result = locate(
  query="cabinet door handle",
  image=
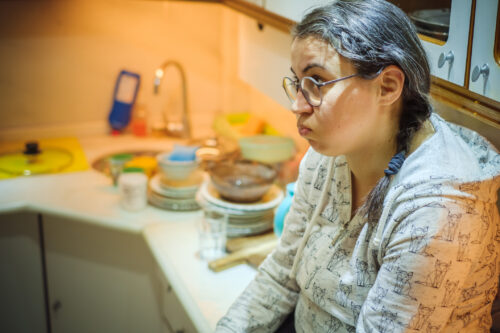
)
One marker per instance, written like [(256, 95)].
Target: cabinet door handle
[(477, 72), (446, 58), (56, 306)]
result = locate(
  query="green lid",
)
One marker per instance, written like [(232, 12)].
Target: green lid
[(132, 169), (121, 157)]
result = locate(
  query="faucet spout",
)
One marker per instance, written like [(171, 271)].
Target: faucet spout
[(184, 130)]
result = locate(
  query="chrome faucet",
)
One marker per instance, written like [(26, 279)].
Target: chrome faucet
[(182, 129)]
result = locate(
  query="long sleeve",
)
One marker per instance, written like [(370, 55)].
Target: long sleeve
[(272, 295), (433, 250)]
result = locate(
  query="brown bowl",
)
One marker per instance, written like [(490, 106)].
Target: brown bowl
[(242, 181)]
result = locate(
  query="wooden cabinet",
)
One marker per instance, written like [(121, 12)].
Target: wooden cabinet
[(59, 275), (485, 57), (99, 280), (22, 301), (173, 314), (448, 61)]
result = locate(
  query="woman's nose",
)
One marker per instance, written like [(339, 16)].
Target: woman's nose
[(301, 105)]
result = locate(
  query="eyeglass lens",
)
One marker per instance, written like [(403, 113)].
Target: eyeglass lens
[(309, 89)]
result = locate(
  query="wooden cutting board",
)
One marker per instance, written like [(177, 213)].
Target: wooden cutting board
[(252, 250)]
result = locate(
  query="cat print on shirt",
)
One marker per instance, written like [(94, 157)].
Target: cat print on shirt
[(320, 180), (330, 213), (485, 322), (470, 206), (435, 278), (450, 228), (356, 309), (362, 274), (376, 300), (470, 292), (418, 239), (489, 295), (333, 324), (313, 238), (319, 294), (485, 226), (337, 258), (403, 285), (463, 241), (485, 259), (387, 323), (394, 262), (450, 289), (490, 271), (311, 275), (466, 318), (343, 293), (432, 329), (403, 226), (421, 317)]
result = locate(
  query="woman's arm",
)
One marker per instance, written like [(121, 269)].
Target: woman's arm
[(272, 295), (441, 255)]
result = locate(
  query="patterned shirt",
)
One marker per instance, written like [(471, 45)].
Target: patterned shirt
[(430, 264)]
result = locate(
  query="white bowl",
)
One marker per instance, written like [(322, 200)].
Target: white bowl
[(176, 170)]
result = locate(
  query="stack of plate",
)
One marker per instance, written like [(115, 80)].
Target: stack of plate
[(244, 219), (173, 194)]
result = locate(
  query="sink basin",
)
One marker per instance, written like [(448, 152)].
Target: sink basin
[(102, 164)]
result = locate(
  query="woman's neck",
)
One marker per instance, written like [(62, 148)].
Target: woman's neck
[(368, 165)]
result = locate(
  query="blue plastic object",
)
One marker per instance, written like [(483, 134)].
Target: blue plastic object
[(183, 153), (124, 96), (283, 208)]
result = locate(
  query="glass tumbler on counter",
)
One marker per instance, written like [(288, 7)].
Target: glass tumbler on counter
[(212, 234)]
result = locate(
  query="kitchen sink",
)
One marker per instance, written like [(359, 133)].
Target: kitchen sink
[(102, 163)]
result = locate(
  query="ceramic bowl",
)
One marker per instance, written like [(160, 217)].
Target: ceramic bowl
[(242, 181), (175, 170), (268, 149)]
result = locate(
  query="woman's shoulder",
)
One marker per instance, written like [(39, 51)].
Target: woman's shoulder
[(453, 157)]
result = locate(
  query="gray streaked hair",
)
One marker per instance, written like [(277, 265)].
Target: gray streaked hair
[(373, 34)]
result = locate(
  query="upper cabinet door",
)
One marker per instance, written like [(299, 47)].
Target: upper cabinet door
[(292, 9), (485, 59), (447, 51)]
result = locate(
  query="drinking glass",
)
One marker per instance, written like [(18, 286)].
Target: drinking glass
[(212, 234)]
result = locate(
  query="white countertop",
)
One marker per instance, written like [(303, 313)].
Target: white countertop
[(89, 197)]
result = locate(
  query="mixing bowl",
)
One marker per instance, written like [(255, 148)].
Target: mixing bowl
[(242, 181)]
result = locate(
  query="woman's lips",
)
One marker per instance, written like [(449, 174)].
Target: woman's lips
[(303, 131)]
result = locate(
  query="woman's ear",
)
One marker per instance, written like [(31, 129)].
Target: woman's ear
[(391, 80)]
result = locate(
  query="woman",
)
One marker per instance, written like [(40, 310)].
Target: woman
[(393, 226)]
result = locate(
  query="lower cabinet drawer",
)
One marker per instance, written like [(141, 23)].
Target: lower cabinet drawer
[(172, 311)]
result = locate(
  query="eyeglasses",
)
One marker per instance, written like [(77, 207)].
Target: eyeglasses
[(311, 89)]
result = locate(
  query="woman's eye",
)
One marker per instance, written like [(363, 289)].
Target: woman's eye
[(317, 78)]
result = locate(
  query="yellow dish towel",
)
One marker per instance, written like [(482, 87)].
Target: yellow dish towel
[(70, 144)]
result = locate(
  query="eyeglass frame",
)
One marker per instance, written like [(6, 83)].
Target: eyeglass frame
[(298, 84)]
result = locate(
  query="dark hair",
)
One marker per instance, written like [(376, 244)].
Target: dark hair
[(373, 34)]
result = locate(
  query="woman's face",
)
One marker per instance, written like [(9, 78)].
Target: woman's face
[(348, 117)]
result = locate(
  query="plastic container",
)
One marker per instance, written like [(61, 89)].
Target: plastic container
[(283, 208), (133, 187), (268, 149), (139, 124)]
